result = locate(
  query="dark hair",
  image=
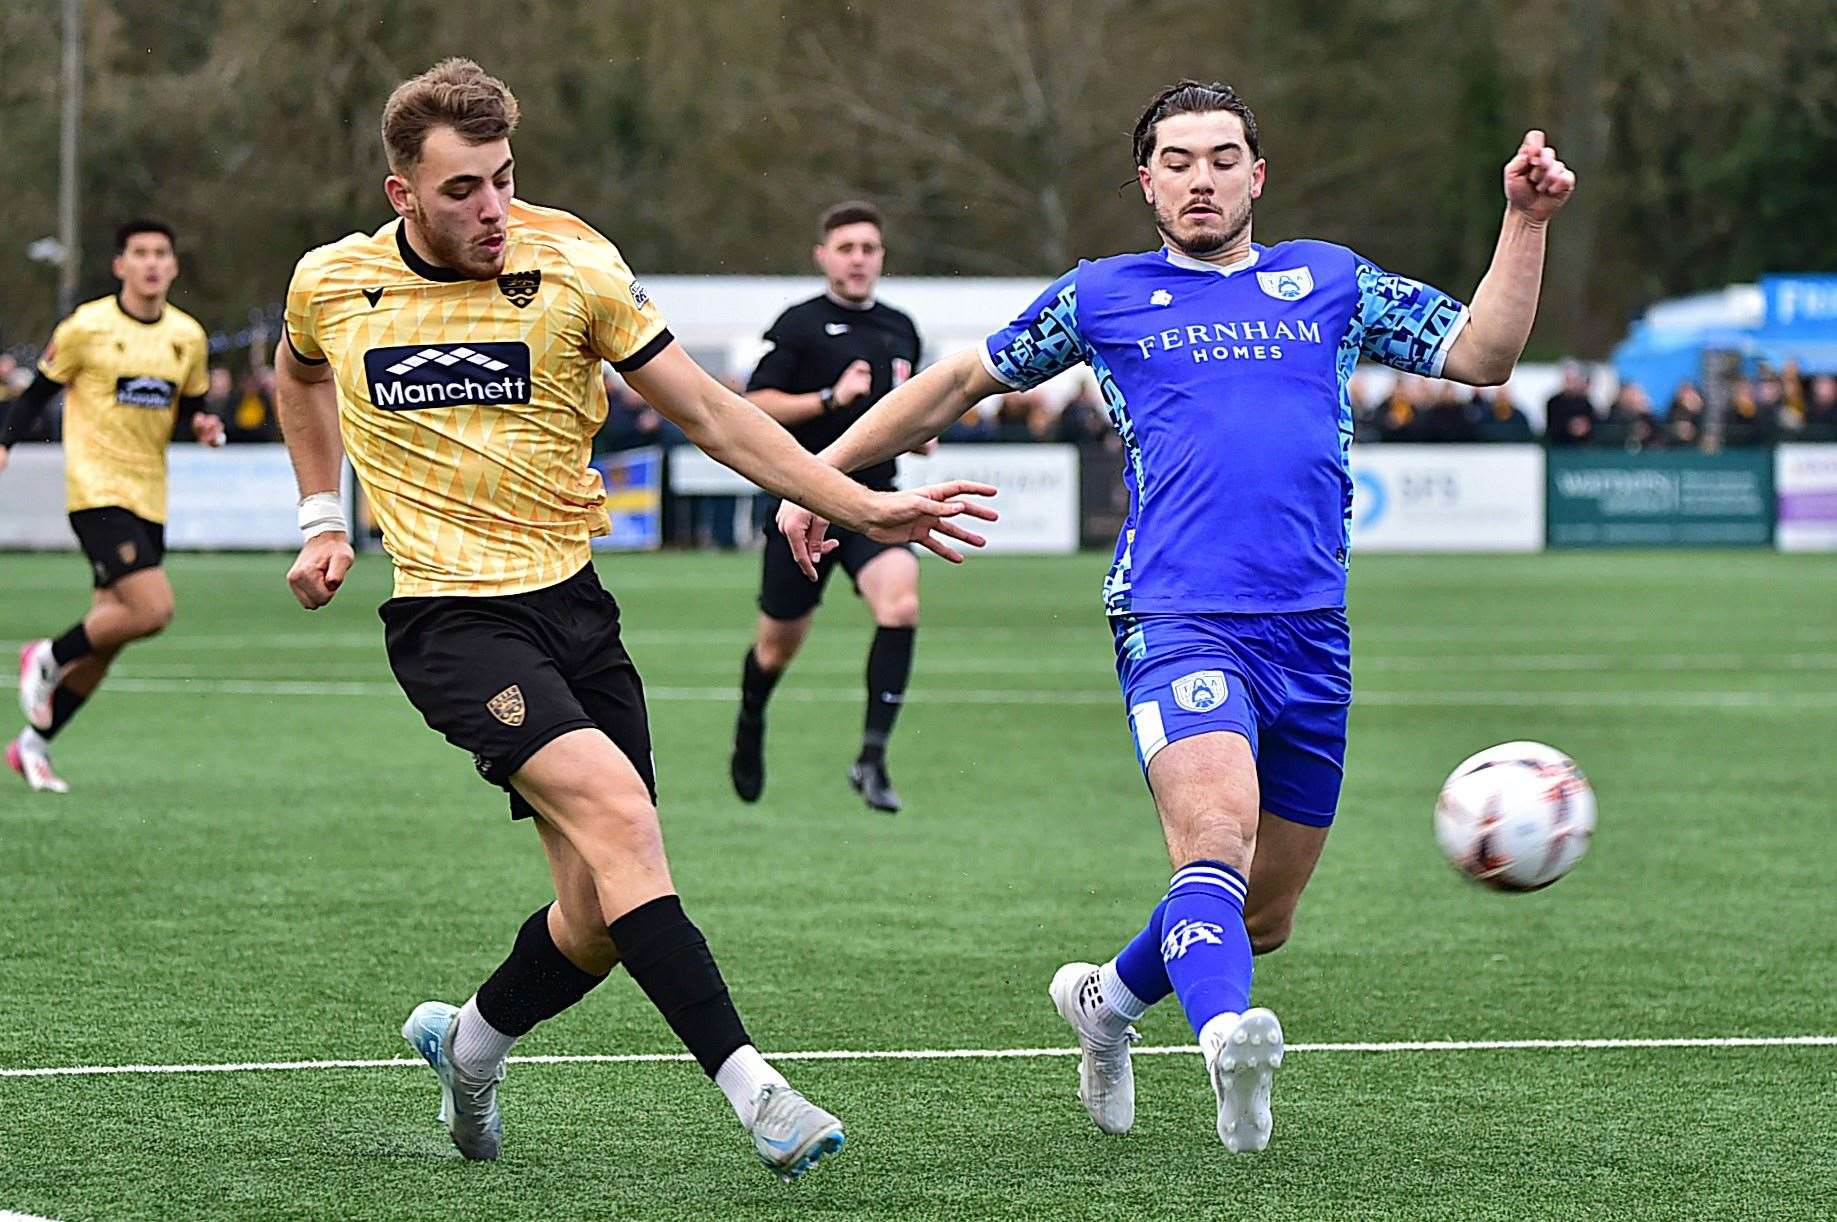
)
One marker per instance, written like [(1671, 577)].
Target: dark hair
[(139, 225), (1190, 97), (848, 212), (454, 93)]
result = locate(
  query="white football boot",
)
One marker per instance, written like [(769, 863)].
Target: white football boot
[(468, 1103), (790, 1133), (26, 756), (38, 676), (1106, 1079), (1243, 1052)]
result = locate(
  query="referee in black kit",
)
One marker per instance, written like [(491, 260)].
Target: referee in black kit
[(832, 358)]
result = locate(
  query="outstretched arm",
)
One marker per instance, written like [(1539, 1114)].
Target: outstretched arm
[(306, 402), (1505, 305), (739, 435), (914, 413), (18, 417)]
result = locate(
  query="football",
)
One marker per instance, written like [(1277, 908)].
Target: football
[(1515, 817)]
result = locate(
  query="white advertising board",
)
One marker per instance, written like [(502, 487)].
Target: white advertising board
[(1484, 498), (1805, 480)]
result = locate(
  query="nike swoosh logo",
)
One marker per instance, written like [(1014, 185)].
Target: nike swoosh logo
[(783, 1147), (835, 328), (373, 295)]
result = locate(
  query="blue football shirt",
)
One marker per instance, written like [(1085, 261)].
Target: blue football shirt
[(1230, 390)]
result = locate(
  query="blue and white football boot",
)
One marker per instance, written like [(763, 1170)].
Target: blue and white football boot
[(468, 1105), (790, 1133)]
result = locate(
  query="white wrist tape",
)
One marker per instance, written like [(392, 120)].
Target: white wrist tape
[(321, 513)]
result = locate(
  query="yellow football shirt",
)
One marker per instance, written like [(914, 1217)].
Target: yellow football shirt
[(468, 407), (123, 379)]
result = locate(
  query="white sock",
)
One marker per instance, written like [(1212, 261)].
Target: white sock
[(31, 740), (477, 1044), (1120, 1006), (1212, 1036), (742, 1076)]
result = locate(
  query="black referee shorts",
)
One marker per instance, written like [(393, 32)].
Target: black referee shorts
[(786, 594), (118, 542), (502, 677)]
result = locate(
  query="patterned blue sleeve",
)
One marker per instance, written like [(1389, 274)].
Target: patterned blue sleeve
[(1042, 342), (1406, 324)]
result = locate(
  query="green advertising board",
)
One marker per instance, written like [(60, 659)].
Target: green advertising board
[(1685, 498)]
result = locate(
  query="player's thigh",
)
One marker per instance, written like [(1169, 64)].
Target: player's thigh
[(146, 594), (1286, 855), (117, 543), (1205, 787), (888, 582), (590, 792), (784, 592)]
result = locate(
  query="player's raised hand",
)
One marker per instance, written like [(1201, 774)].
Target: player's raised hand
[(1537, 183), (319, 569), (804, 532), (207, 429), (922, 514), (855, 381)]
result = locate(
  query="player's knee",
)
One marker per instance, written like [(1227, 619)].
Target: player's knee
[(898, 611), (153, 617), (584, 938), (1268, 930)]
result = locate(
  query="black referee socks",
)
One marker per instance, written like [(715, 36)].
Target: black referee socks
[(668, 957), (889, 667), (756, 684), (536, 982), (72, 646)]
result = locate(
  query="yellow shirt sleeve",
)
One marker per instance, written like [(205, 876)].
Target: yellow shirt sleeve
[(622, 317), (63, 356), (300, 316), (197, 372)]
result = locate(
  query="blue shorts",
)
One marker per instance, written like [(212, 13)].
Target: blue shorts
[(1282, 681)]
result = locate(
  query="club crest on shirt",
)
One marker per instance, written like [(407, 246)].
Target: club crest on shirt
[(1291, 285), (1200, 692), (507, 706), (1160, 297), (520, 287)]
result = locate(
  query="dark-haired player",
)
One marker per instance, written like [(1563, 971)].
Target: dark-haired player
[(127, 364), (832, 358), (454, 355), (1225, 367)]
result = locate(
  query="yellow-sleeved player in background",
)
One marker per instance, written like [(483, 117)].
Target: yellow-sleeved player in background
[(457, 351), (127, 364)]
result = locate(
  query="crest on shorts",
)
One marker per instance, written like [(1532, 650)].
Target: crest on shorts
[(128, 552), (507, 706), (520, 287), (1200, 692)]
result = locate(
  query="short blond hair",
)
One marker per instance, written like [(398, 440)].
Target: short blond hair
[(454, 93)]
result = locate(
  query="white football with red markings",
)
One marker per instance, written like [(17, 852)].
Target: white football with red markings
[(1515, 817)]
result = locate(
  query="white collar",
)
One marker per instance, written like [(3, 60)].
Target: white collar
[(1200, 265)]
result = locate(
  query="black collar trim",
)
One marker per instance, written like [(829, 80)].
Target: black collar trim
[(419, 266), (145, 322)]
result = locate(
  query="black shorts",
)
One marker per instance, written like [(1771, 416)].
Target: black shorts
[(118, 542), (786, 594), (502, 677)]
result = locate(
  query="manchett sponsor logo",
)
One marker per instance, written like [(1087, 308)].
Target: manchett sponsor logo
[(411, 376)]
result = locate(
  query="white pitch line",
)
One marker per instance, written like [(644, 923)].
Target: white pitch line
[(1757, 700), (7, 1215), (953, 1054)]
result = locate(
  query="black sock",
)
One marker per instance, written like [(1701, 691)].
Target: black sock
[(64, 706), (668, 957), (756, 684), (536, 982), (72, 645), (889, 666)]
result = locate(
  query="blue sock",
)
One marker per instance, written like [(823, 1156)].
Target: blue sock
[(1139, 964), (1204, 945)]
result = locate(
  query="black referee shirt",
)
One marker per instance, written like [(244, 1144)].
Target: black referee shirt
[(814, 341)]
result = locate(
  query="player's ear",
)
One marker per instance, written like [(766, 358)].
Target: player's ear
[(401, 195), (1258, 173), (116, 268), (1142, 177)]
